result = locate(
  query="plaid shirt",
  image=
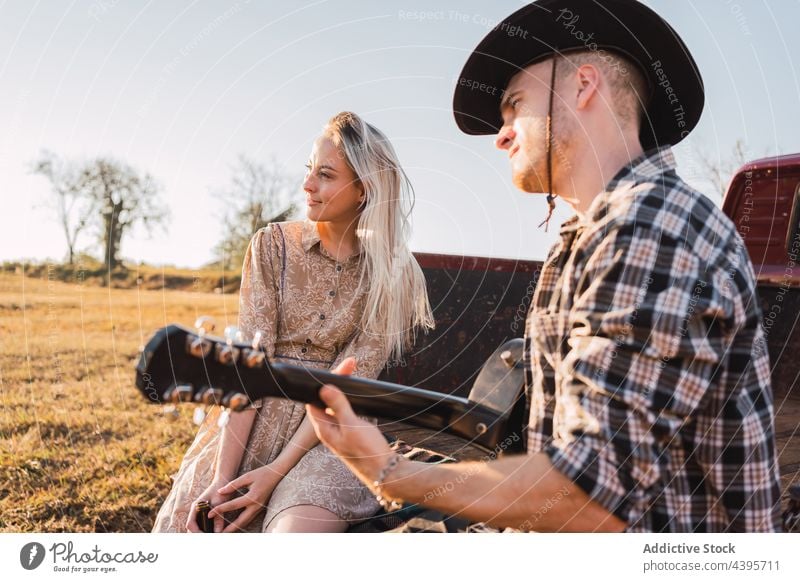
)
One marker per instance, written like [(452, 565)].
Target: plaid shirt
[(647, 362)]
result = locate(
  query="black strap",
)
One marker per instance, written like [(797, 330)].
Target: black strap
[(551, 198)]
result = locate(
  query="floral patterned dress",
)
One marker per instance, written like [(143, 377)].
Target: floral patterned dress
[(308, 307)]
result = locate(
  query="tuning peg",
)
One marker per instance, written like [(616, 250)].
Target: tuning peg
[(198, 346), (236, 401), (254, 358), (224, 418), (209, 396), (170, 412), (180, 393), (205, 324), (227, 354), (232, 334), (199, 416), (256, 343)]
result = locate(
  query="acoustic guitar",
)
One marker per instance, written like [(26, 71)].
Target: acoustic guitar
[(180, 365)]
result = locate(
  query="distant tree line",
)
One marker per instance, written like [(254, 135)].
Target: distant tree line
[(105, 200)]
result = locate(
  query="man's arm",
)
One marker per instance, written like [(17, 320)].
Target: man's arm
[(523, 492)]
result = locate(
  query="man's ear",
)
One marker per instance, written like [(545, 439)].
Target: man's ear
[(588, 79)]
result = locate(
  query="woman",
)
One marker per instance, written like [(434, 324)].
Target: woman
[(342, 284)]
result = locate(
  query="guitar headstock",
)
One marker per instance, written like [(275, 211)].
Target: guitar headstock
[(167, 369)]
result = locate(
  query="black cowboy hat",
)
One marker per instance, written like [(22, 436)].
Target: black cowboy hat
[(545, 27)]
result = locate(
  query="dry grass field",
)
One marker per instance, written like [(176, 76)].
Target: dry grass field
[(80, 450)]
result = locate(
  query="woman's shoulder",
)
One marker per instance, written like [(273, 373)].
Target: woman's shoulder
[(290, 227), (288, 233)]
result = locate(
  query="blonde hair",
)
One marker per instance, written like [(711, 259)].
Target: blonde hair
[(397, 300)]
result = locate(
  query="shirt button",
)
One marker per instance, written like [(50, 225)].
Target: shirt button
[(304, 350), (322, 316), (338, 267), (332, 293), (308, 340)]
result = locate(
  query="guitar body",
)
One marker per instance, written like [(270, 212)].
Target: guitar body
[(179, 365)]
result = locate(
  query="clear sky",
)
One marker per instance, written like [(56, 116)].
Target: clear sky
[(181, 88)]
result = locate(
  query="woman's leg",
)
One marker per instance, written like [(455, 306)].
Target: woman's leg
[(306, 519), (315, 493)]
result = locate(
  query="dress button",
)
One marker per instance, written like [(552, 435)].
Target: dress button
[(308, 340), (304, 350), (322, 316), (332, 293)]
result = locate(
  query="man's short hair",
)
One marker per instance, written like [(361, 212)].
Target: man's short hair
[(627, 82)]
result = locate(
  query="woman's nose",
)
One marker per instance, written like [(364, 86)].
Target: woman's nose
[(505, 138), (308, 184)]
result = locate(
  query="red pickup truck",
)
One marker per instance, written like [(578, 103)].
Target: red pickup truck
[(763, 200)]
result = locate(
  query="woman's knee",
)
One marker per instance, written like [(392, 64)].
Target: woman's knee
[(306, 519)]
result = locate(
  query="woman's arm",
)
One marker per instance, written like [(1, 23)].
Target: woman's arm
[(303, 440), (258, 301), (258, 312), (261, 482), (233, 443), (370, 359)]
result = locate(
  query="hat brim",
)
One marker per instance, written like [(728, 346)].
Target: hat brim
[(546, 27)]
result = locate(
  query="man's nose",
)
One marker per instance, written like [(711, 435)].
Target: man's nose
[(505, 138)]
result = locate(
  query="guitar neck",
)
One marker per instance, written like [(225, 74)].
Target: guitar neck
[(416, 406), (177, 365)]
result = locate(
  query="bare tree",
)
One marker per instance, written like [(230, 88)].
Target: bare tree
[(124, 198), (258, 193), (719, 171), (103, 193), (74, 209)]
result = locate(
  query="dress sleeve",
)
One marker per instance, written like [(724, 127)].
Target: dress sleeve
[(258, 294)]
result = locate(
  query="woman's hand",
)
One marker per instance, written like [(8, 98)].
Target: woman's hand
[(214, 497), (260, 483)]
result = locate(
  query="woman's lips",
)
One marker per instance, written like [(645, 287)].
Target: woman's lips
[(312, 202), (513, 151)]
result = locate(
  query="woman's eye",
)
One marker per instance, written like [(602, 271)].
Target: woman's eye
[(514, 103), (324, 175)]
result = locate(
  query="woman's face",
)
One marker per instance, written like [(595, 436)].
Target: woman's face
[(333, 194)]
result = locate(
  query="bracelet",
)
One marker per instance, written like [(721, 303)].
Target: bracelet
[(386, 503)]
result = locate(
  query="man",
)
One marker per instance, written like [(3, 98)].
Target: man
[(651, 408)]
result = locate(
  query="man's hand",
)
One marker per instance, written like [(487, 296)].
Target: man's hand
[(357, 442)]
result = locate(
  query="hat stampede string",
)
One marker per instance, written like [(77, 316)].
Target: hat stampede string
[(551, 198)]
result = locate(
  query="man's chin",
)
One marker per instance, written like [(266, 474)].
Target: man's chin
[(529, 182)]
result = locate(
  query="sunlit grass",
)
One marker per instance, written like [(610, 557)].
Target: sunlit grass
[(80, 450)]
